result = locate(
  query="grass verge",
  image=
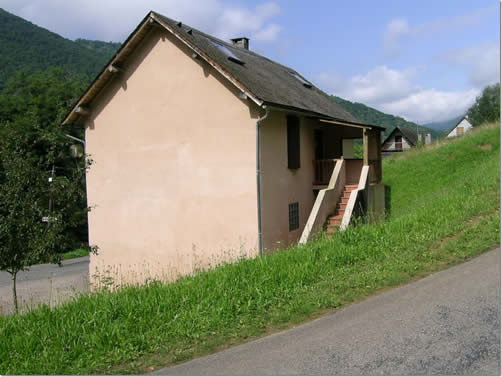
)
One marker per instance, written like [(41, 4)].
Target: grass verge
[(75, 254), (445, 209)]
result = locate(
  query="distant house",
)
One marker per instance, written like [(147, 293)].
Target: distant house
[(399, 140), (207, 152), (460, 128)]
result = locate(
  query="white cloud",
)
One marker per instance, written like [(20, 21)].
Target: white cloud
[(269, 33), (380, 85), (431, 105), (482, 62), (392, 91), (399, 33), (236, 22), (113, 20), (396, 29)]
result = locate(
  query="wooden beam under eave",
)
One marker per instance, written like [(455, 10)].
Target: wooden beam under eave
[(80, 110), (344, 124), (113, 69)]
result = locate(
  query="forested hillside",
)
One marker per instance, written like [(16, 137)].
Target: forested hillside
[(100, 47), (27, 47), (369, 115)]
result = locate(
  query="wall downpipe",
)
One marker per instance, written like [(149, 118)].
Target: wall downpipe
[(258, 178)]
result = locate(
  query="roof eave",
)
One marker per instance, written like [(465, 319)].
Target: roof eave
[(210, 61), (102, 78), (319, 115)]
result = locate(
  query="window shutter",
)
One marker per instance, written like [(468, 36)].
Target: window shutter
[(293, 124)]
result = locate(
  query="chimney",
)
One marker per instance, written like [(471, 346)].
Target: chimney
[(428, 139), (241, 42)]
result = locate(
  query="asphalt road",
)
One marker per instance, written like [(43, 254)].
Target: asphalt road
[(45, 283), (445, 324)]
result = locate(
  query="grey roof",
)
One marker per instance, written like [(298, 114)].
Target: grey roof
[(410, 135), (267, 80)]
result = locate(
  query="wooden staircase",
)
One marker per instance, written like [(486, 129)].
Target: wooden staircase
[(333, 222)]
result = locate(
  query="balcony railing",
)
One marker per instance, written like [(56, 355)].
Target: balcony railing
[(323, 170)]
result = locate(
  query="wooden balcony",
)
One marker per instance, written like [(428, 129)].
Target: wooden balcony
[(324, 168), (322, 171)]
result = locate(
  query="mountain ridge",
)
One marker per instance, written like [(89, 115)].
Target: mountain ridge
[(27, 47), (444, 125), (367, 114)]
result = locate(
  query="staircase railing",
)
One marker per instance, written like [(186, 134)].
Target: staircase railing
[(325, 202), (358, 199)]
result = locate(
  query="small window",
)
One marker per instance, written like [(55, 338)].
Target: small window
[(230, 55), (293, 124), (294, 216), (304, 82)]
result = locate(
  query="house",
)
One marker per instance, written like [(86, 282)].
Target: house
[(400, 139), (460, 128), (206, 152)]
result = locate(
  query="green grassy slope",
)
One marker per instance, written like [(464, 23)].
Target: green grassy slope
[(452, 170), (27, 47), (369, 115), (445, 209)]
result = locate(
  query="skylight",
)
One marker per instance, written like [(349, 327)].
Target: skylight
[(230, 55), (301, 79)]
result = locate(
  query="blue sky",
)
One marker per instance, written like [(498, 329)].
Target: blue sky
[(423, 60)]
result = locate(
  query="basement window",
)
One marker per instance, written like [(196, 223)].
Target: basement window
[(304, 82), (230, 55), (294, 216)]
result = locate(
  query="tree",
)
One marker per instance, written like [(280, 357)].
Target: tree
[(42, 198), (487, 106), (37, 206), (43, 99)]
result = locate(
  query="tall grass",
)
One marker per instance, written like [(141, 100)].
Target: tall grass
[(77, 253), (445, 208)]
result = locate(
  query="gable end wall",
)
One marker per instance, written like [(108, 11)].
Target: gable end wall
[(464, 123), (173, 185)]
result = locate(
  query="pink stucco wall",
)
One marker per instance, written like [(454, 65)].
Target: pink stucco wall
[(282, 186), (173, 185)]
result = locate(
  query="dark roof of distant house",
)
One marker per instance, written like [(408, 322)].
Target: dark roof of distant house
[(410, 135), (265, 81)]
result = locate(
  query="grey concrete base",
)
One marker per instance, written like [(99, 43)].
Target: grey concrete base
[(45, 283), (445, 324)]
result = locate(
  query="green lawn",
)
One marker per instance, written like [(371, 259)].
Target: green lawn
[(445, 209), (75, 254)]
